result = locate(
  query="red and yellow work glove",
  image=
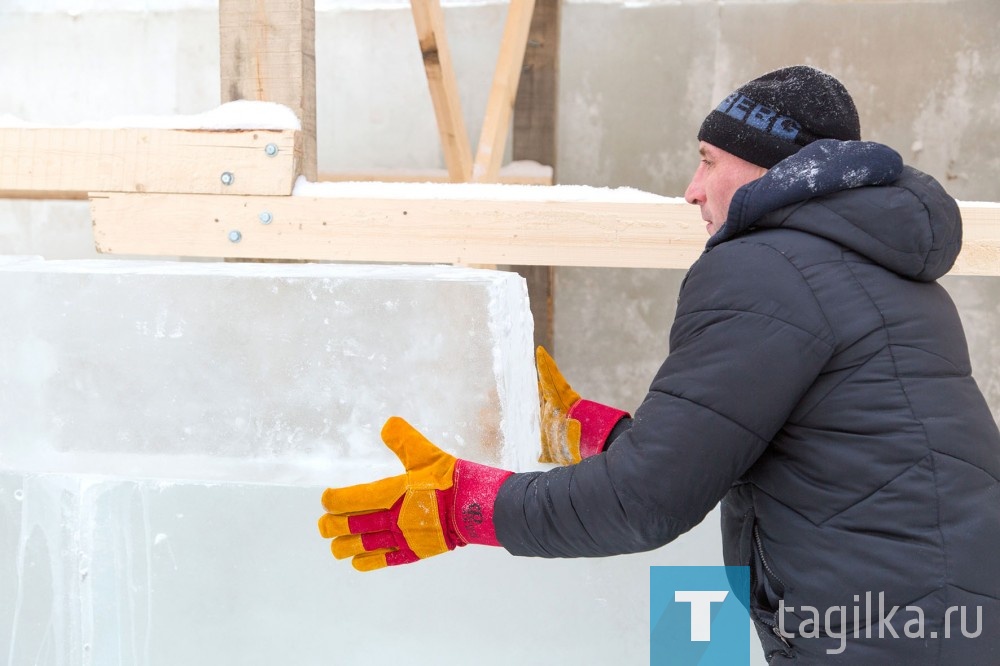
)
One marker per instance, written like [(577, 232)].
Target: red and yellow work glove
[(572, 428), (439, 503)]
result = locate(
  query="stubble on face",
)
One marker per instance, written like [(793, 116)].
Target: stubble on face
[(715, 181)]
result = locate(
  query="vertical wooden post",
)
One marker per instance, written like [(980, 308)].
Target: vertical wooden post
[(538, 91), (268, 50), (535, 114)]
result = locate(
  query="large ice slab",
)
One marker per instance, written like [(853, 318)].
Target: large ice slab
[(260, 373), (167, 429)]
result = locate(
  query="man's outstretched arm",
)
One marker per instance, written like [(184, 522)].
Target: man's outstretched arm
[(748, 340)]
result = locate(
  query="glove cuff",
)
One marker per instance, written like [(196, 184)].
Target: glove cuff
[(596, 423), (475, 491)]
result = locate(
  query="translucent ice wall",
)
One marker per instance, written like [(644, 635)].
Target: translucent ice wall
[(257, 373), (166, 430)]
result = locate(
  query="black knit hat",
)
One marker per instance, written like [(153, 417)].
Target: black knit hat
[(767, 119)]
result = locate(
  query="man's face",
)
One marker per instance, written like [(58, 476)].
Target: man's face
[(715, 181)]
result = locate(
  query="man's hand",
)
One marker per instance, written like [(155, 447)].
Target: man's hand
[(439, 503), (572, 428), (560, 433)]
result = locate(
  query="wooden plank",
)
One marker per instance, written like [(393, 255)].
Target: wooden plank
[(400, 230), (429, 20), (268, 53), (534, 138), (980, 240), (50, 162), (548, 233), (500, 106)]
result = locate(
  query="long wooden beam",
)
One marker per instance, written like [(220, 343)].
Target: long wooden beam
[(66, 163), (399, 230), (268, 54), (552, 233)]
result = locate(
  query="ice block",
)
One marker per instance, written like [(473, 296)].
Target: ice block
[(263, 373), (166, 430)]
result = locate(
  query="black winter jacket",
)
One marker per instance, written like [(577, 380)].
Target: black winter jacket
[(819, 385)]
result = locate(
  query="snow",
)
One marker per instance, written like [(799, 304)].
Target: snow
[(477, 191), (241, 114), (7, 120), (526, 168), (78, 7), (979, 204), (519, 169)]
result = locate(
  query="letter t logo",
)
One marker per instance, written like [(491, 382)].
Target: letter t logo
[(701, 610)]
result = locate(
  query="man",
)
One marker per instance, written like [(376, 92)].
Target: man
[(818, 385)]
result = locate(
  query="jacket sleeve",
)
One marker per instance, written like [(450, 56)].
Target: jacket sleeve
[(748, 340)]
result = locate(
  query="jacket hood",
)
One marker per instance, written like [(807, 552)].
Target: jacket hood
[(858, 194)]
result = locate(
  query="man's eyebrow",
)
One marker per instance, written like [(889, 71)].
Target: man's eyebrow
[(702, 151)]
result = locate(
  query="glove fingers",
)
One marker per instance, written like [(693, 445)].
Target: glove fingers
[(365, 497), (552, 386), (546, 368), (370, 561), (381, 559), (336, 525), (357, 544), (381, 541), (367, 523), (553, 449), (573, 440), (347, 546), (560, 441), (333, 526), (401, 556)]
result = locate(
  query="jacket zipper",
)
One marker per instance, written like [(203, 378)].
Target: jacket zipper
[(760, 553), (763, 560)]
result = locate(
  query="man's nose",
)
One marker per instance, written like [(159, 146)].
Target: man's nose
[(695, 193)]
